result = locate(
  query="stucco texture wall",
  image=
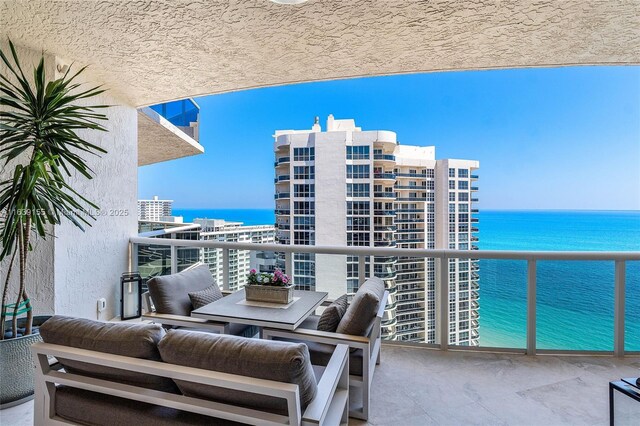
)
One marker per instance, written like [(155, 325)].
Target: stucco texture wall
[(88, 264)]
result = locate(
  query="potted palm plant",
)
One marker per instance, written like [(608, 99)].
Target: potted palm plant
[(39, 150)]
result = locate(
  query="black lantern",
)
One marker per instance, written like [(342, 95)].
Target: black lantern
[(130, 296)]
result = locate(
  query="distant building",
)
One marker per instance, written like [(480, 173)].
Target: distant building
[(349, 187), (154, 210), (240, 261)]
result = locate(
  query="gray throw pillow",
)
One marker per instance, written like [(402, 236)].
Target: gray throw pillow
[(284, 362), (170, 293), (362, 311), (204, 297), (332, 315)]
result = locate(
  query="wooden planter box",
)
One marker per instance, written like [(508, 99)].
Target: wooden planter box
[(267, 293)]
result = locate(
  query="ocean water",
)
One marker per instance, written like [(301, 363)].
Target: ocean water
[(574, 300), (248, 216)]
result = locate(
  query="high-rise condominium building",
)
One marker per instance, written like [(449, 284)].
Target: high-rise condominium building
[(240, 261), (154, 210), (345, 186)]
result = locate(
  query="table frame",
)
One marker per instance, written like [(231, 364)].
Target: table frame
[(624, 387)]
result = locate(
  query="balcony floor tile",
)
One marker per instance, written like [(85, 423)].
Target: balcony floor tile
[(418, 386)]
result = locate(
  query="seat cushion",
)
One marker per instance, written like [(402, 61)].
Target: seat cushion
[(263, 359), (362, 311), (170, 293), (204, 297), (92, 408), (321, 354), (135, 340), (332, 315)]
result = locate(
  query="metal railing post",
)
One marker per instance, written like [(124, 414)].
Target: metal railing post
[(618, 313), (531, 307), (442, 303), (174, 259), (225, 269), (288, 266), (362, 274)]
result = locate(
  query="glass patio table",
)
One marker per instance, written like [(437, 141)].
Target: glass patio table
[(234, 308)]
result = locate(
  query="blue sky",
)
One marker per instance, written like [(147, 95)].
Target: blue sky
[(563, 138)]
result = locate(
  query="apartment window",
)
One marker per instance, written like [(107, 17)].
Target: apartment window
[(304, 222), (463, 196), (303, 238), (304, 172), (463, 184), (463, 227), (304, 190), (452, 208), (304, 154), (304, 268), (430, 173), (431, 185), (452, 184), (304, 207), (431, 208), (452, 217), (357, 190), (463, 207), (463, 173), (357, 152), (452, 196), (358, 239), (463, 246), (358, 208), (463, 217), (358, 171), (358, 224), (452, 173)]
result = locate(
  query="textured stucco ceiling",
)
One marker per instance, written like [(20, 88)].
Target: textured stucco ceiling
[(153, 51)]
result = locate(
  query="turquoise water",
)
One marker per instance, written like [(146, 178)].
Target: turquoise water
[(575, 299), (248, 216)]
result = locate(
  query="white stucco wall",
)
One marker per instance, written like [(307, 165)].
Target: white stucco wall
[(331, 209), (69, 272), (88, 264)]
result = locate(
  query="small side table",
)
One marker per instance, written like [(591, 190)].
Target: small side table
[(628, 387)]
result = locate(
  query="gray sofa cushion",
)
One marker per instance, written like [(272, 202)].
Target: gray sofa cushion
[(204, 297), (278, 361), (170, 293), (332, 315), (362, 311), (91, 408), (134, 340)]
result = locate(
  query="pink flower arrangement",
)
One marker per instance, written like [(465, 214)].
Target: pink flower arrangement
[(278, 278)]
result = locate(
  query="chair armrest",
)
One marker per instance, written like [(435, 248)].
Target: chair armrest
[(328, 386), (352, 341), (184, 321)]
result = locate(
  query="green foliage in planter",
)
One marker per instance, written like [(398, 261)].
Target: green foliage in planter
[(39, 124)]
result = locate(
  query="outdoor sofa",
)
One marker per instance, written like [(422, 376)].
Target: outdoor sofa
[(124, 373)]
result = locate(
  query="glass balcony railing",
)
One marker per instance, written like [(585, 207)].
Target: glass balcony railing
[(384, 195), (492, 297), (384, 157), (412, 175), (183, 114), (384, 176)]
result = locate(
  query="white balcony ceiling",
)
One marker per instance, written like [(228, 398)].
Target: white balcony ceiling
[(155, 51)]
